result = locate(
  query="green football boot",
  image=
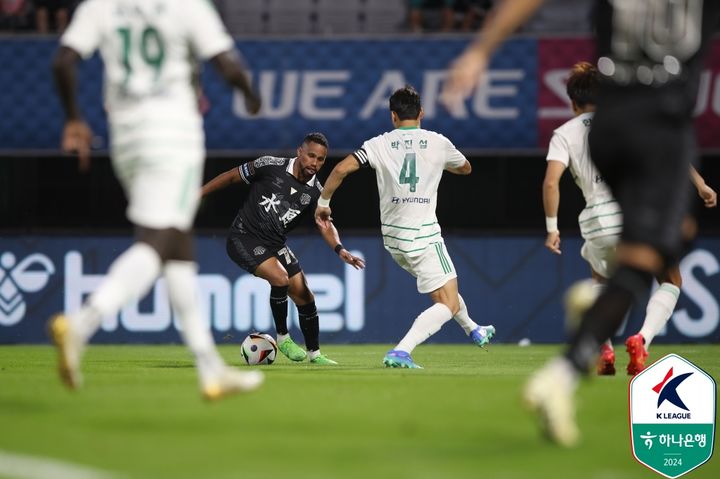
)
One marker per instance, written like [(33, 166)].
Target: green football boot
[(323, 360), (290, 349)]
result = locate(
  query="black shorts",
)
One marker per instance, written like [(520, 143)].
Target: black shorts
[(642, 142), (52, 5), (249, 252)]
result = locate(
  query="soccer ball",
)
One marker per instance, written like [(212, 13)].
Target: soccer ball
[(259, 348), (578, 299)]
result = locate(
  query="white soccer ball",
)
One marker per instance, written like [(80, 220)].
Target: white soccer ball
[(259, 348)]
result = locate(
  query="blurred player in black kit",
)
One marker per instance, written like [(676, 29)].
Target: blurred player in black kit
[(283, 193), (650, 55)]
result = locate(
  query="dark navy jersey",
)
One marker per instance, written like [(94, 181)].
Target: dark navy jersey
[(277, 201), (655, 43)]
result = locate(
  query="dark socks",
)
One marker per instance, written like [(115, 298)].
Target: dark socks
[(279, 307), (605, 316), (309, 325)]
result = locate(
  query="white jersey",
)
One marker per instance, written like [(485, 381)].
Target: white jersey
[(149, 48), (408, 164), (569, 145)]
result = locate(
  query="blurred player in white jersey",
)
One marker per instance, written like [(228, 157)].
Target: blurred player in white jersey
[(601, 220), (409, 163), (149, 48)]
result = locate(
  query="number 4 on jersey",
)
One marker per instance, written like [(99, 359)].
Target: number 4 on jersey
[(407, 173)]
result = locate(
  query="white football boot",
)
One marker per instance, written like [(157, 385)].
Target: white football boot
[(550, 395), (69, 350), (229, 382)]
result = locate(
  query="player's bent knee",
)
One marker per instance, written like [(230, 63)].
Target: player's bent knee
[(452, 305), (279, 282)]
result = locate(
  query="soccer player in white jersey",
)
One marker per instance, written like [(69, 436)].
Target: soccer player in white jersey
[(601, 220), (148, 49), (409, 163)]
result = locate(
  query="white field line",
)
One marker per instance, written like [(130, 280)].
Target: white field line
[(21, 466)]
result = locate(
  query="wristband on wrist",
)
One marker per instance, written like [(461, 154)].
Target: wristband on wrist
[(323, 203), (551, 224), (339, 247)]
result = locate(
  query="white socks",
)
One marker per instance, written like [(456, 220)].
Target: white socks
[(659, 309), (130, 276), (181, 278), (428, 323), (463, 318)]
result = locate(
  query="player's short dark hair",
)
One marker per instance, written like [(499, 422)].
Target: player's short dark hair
[(405, 102), (582, 86), (316, 137)]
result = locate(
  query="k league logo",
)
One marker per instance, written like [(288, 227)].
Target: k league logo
[(28, 276), (667, 391), (672, 416)]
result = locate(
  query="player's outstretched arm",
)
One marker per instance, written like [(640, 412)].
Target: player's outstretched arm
[(469, 68), (551, 203), (77, 135), (332, 238), (221, 181), (322, 213), (708, 195), (231, 68)]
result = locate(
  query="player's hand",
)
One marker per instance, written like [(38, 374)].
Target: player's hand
[(77, 137), (322, 217), (552, 242), (708, 195), (253, 103), (354, 261), (464, 75)]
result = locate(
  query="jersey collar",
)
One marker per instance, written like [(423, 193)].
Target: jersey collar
[(409, 128), (289, 169)]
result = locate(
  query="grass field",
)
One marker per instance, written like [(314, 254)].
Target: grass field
[(140, 415)]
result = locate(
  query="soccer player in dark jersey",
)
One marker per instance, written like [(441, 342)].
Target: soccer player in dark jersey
[(650, 55), (283, 194)]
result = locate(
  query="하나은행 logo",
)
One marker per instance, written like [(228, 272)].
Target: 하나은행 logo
[(672, 416)]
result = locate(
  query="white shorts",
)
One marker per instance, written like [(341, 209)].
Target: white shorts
[(159, 162), (600, 253), (433, 268)]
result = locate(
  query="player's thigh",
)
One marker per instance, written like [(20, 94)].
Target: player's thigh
[(272, 271), (655, 204), (288, 260), (247, 251), (433, 268), (405, 262), (642, 142), (166, 193), (600, 254)]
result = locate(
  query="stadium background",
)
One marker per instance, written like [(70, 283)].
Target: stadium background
[(61, 229)]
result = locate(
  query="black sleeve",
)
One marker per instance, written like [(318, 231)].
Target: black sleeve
[(362, 158)]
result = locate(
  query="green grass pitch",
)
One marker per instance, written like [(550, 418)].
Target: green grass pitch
[(140, 415)]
